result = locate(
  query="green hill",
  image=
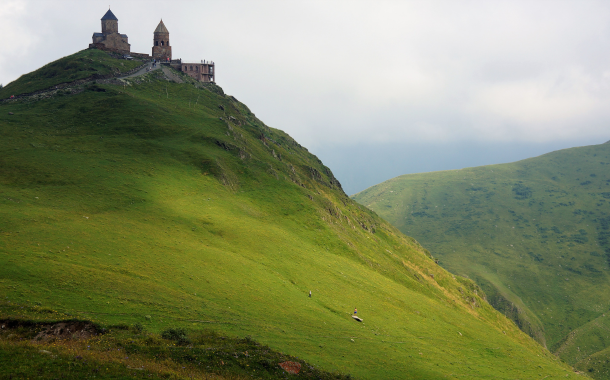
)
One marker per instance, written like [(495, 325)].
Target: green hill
[(164, 202), (534, 234), (81, 66)]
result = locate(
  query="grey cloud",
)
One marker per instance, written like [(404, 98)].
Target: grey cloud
[(355, 72)]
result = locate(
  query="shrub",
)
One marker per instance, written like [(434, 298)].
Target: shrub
[(177, 335), (521, 191)]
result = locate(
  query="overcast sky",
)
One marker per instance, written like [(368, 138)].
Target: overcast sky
[(370, 87)]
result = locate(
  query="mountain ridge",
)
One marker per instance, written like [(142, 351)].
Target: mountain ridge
[(532, 233)]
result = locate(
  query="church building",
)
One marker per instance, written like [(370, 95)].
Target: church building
[(203, 72), (110, 39), (161, 50)]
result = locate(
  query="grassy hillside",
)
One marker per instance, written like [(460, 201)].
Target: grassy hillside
[(60, 347), (171, 205), (534, 234), (78, 66)]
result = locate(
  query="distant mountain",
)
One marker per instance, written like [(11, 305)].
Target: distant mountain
[(534, 234), (161, 202)]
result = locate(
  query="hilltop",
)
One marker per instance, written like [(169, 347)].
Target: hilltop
[(534, 234), (77, 68), (160, 202)]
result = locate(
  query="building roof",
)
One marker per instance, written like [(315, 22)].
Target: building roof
[(161, 28), (97, 34), (109, 16)]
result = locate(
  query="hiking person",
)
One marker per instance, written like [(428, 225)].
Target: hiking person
[(355, 311), (310, 294)]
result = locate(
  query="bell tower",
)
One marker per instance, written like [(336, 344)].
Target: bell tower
[(110, 24), (161, 49)]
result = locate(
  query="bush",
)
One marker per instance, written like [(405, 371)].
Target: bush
[(522, 191), (177, 335), (138, 328)]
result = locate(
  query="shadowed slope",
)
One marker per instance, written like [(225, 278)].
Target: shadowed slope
[(535, 234)]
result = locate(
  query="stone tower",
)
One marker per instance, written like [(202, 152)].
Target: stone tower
[(110, 24), (161, 49)]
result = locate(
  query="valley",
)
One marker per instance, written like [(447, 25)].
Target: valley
[(533, 234)]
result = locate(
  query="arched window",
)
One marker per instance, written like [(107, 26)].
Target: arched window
[(196, 68), (156, 43), (161, 43), (191, 68)]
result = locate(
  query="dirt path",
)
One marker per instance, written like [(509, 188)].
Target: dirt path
[(146, 69), (77, 86)]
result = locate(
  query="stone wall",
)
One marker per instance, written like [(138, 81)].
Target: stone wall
[(140, 55), (110, 26), (161, 49), (116, 42), (162, 53)]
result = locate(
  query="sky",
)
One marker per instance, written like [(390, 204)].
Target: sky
[(375, 89)]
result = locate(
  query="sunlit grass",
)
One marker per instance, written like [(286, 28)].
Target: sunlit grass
[(144, 204)]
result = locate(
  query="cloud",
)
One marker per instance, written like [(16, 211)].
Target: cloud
[(355, 72), (17, 37)]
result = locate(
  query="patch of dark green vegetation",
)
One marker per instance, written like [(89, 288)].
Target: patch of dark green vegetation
[(121, 351), (521, 191), (603, 235)]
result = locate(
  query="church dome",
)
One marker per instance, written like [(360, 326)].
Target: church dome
[(161, 28), (109, 16)]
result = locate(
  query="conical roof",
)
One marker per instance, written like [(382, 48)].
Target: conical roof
[(109, 16), (161, 28)]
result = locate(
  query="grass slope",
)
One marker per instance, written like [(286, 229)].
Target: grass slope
[(535, 234), (57, 346), (78, 66), (171, 205)]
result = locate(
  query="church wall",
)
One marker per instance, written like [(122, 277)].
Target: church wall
[(116, 42), (161, 48), (162, 52), (110, 26)]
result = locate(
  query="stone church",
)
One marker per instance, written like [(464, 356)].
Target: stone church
[(111, 40), (161, 49)]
